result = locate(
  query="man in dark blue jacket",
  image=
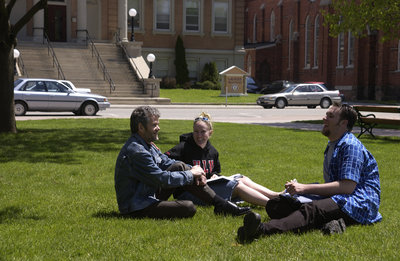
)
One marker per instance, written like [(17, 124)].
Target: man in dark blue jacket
[(145, 178)]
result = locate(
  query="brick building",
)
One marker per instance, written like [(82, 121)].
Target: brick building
[(212, 30), (286, 39)]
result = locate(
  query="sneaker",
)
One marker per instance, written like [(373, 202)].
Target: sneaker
[(232, 209), (334, 227), (250, 229)]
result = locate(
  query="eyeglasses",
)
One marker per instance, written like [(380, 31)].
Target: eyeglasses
[(201, 119)]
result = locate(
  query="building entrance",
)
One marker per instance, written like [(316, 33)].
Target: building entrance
[(57, 23)]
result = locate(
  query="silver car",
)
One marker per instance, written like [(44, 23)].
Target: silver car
[(52, 95), (303, 94)]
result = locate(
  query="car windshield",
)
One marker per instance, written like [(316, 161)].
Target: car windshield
[(288, 89), (16, 82)]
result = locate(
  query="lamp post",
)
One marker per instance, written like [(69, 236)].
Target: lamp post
[(151, 58), (132, 13), (16, 55)]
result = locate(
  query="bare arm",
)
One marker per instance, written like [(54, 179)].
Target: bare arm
[(345, 186)]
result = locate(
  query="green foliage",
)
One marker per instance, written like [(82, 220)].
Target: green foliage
[(210, 73), (207, 85), (58, 199), (181, 68), (356, 16), (168, 83)]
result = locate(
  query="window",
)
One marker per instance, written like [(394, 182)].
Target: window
[(272, 27), (255, 29), (193, 67), (398, 56), (340, 50), (316, 40), (138, 7), (290, 43), (350, 49), (307, 43), (163, 15), (221, 17), (192, 15), (249, 68)]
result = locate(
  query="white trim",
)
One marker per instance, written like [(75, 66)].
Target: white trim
[(229, 18), (171, 17), (200, 22)]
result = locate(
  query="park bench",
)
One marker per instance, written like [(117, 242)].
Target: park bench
[(368, 121)]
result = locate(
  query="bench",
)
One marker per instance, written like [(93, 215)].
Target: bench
[(368, 121)]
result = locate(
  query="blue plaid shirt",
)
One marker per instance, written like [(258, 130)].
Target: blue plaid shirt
[(352, 161)]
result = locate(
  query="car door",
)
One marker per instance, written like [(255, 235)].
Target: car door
[(35, 95), (61, 97), (300, 95), (316, 94)]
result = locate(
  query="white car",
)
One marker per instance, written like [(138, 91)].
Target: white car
[(302, 94), (52, 95), (72, 86)]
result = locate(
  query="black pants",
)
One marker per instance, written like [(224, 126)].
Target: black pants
[(178, 208), (287, 216)]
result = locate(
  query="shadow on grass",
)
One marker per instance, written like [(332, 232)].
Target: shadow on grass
[(108, 214), (13, 213), (59, 145)]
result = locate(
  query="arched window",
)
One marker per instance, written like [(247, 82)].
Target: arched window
[(272, 27), (340, 51), (255, 28), (350, 50), (316, 40), (307, 43), (290, 43)]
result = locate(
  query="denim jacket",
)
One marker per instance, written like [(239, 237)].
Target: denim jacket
[(139, 173)]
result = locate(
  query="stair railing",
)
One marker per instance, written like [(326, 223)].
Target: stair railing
[(100, 63), (137, 71), (50, 51)]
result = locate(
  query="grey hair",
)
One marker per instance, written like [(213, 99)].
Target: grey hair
[(142, 114)]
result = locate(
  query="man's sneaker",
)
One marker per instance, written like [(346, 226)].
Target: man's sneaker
[(250, 229), (334, 227), (232, 209)]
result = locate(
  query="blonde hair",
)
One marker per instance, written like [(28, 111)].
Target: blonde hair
[(205, 117)]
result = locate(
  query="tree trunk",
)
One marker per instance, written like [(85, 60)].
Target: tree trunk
[(7, 114)]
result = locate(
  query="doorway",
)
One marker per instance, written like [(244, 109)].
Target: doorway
[(57, 23)]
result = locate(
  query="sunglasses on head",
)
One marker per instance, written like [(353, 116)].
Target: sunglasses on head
[(201, 119)]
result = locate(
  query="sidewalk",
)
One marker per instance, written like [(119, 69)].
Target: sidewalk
[(318, 127)]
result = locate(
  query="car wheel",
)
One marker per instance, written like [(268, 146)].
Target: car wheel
[(311, 107), (325, 103), (280, 103), (89, 109), (20, 108)]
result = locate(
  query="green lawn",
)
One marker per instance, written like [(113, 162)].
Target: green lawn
[(58, 199), (206, 97)]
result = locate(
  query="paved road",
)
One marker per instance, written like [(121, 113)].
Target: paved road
[(250, 114)]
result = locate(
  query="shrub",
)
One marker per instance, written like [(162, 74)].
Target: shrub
[(210, 73), (207, 85), (181, 68), (168, 83)]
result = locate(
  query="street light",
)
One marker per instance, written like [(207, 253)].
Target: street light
[(151, 58), (16, 55), (132, 13)]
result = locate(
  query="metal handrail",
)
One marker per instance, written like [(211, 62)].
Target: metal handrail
[(100, 63), (50, 50), (137, 71)]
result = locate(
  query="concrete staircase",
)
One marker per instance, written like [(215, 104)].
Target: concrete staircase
[(81, 68)]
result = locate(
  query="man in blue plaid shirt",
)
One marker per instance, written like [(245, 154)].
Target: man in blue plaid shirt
[(350, 194)]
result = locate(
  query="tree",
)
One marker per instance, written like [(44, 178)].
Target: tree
[(8, 41), (181, 68), (361, 16)]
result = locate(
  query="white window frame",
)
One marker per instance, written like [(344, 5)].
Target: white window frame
[(317, 28), (171, 17), (200, 17), (272, 27), (229, 18)]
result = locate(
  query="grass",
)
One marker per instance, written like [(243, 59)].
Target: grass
[(205, 97), (58, 199)]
